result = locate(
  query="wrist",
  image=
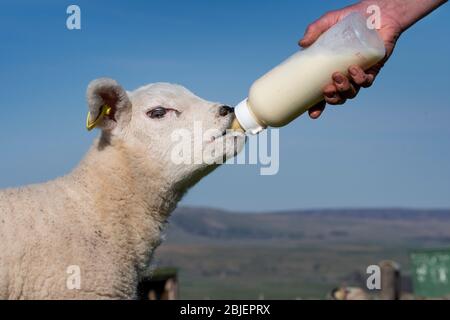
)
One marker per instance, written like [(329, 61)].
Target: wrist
[(404, 12), (393, 10)]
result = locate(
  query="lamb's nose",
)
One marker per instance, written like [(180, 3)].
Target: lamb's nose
[(225, 110)]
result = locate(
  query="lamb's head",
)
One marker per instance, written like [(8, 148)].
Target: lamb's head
[(166, 126)]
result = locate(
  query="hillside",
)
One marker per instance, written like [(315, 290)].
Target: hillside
[(291, 254)]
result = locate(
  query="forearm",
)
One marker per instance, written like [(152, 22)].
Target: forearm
[(407, 12)]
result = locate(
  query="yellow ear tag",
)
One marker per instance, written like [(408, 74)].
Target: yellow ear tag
[(106, 111)]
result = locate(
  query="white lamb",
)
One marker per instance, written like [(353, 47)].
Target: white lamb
[(106, 216)]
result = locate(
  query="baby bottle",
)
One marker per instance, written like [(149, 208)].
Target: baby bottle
[(291, 88)]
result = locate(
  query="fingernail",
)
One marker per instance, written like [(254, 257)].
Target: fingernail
[(329, 94), (338, 79), (353, 71), (314, 114)]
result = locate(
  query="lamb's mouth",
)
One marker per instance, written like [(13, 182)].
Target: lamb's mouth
[(229, 134)]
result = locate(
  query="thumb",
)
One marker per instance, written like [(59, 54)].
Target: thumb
[(315, 29)]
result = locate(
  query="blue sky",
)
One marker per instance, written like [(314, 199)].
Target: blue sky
[(390, 147)]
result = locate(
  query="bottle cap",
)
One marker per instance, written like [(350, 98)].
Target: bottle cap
[(246, 118)]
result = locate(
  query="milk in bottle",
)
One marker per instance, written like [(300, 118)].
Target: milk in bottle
[(291, 88)]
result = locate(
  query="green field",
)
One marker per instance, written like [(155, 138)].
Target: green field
[(289, 255)]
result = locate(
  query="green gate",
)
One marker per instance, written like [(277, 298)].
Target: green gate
[(431, 272)]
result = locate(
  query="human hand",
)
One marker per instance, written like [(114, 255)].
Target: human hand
[(342, 87)]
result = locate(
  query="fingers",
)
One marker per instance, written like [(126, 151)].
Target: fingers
[(340, 90), (315, 29), (331, 95), (344, 87), (359, 77), (316, 110)]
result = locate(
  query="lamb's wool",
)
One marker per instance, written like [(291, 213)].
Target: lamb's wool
[(106, 216)]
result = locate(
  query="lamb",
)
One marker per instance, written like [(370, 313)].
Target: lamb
[(106, 216)]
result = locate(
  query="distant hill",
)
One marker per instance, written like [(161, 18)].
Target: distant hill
[(288, 254), (298, 224), (356, 212)]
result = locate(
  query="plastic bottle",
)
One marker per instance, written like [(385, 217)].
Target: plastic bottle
[(291, 88)]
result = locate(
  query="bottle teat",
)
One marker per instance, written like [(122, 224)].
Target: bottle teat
[(236, 126)]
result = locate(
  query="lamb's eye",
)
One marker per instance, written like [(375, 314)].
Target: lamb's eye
[(157, 113)]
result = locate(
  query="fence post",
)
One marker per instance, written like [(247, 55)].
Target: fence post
[(390, 280)]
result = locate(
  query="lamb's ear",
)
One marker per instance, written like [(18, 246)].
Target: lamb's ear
[(109, 105)]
